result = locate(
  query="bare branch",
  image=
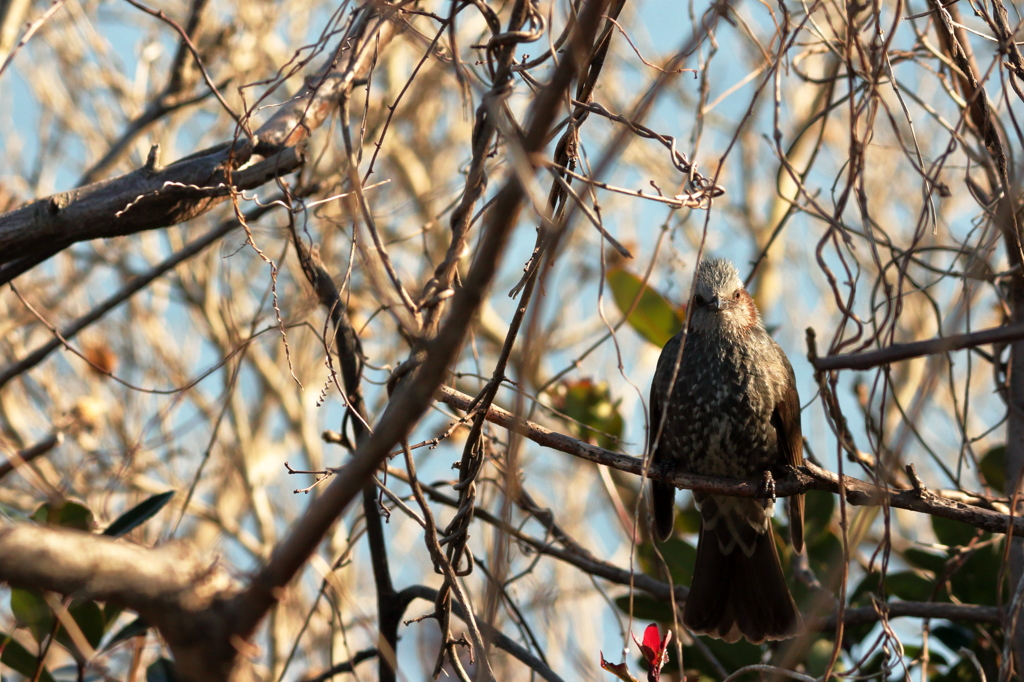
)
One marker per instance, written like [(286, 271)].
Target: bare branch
[(808, 477), (906, 351)]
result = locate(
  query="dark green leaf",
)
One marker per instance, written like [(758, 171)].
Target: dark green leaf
[(913, 651), (138, 514), (161, 670), (589, 403), (133, 629), (646, 608), (89, 618), (952, 533), (976, 580), (654, 318), (993, 468), (680, 557), (964, 669), (31, 611), (738, 655), (953, 636), (68, 514), (110, 613), (919, 558), (818, 508), (909, 586), (688, 519), (905, 585), (18, 659), (825, 556)]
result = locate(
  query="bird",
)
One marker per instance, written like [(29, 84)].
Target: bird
[(724, 403)]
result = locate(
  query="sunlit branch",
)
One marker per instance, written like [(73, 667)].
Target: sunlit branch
[(808, 477)]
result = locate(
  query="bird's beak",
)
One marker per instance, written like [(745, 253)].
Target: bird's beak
[(717, 303)]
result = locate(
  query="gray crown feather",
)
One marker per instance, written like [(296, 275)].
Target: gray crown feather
[(717, 276)]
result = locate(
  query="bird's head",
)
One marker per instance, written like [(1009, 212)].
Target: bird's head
[(720, 303)]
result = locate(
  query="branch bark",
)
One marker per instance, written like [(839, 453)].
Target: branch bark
[(152, 197), (413, 395), (906, 351), (808, 477), (170, 587)]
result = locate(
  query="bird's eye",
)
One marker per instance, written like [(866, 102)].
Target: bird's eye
[(737, 295), (699, 300)]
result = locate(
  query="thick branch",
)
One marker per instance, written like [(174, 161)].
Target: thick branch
[(170, 587), (151, 198), (906, 351), (96, 567), (144, 199), (961, 613), (413, 396), (806, 478)]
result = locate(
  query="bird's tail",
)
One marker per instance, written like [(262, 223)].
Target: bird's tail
[(735, 595)]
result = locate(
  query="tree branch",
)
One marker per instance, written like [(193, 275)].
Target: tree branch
[(27, 455), (170, 587), (907, 351), (808, 477), (496, 637), (151, 198), (960, 613), (413, 395)]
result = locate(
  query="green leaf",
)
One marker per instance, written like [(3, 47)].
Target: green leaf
[(825, 556), (818, 657), (993, 468), (919, 558), (905, 585), (17, 658), (913, 651), (909, 586), (68, 514), (964, 670), (976, 580), (654, 318), (589, 403), (31, 611), (161, 670), (953, 533), (680, 556), (110, 613), (646, 608), (133, 629), (738, 655), (688, 519), (138, 514), (89, 618), (818, 508), (953, 636)]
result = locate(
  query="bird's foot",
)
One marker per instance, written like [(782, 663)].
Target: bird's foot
[(766, 491)]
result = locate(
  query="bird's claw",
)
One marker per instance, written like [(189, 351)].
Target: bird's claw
[(766, 491)]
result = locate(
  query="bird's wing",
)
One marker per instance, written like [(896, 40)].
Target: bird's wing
[(663, 495), (786, 420)]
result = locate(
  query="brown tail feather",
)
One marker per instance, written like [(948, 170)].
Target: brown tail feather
[(734, 595)]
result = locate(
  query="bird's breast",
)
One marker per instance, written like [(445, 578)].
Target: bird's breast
[(718, 412)]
